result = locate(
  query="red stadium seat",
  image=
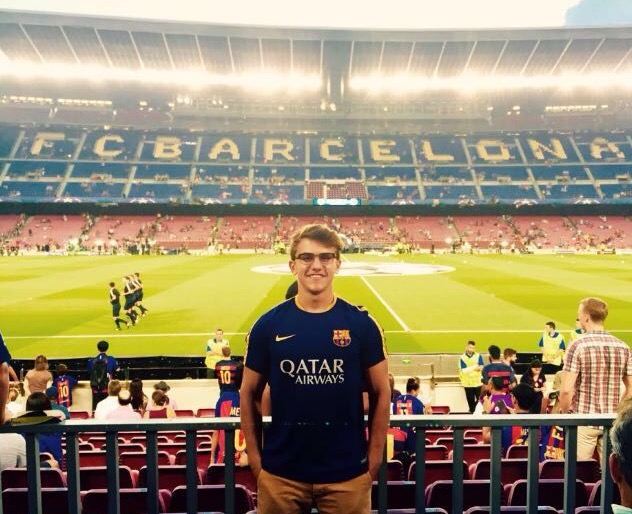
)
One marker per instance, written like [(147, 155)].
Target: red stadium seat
[(54, 500), (211, 498), (437, 470), (436, 452), (517, 451), (394, 470), (132, 501), (172, 448), (169, 477), (588, 471), (16, 478), (185, 413), (510, 470), (595, 494), (215, 475), (206, 412), (96, 477), (79, 414), (550, 492), (136, 460), (475, 433), (400, 495), (475, 493), (92, 458), (203, 458), (440, 409), (472, 453), (434, 435)]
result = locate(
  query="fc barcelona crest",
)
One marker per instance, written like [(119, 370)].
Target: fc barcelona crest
[(342, 338)]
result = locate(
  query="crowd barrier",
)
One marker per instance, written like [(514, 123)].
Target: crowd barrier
[(459, 424)]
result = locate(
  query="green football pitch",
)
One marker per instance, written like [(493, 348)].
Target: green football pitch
[(59, 305)]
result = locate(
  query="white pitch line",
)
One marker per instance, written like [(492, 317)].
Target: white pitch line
[(205, 334), (388, 307)]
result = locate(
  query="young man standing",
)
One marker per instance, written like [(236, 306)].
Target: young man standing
[(553, 347), (101, 369), (470, 367), (597, 374), (318, 353)]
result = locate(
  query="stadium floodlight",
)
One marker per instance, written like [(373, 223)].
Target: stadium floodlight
[(472, 83), (192, 79)]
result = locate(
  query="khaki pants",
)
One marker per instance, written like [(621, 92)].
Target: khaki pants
[(589, 438), (278, 495)]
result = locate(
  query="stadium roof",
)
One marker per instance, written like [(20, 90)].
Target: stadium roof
[(154, 45)]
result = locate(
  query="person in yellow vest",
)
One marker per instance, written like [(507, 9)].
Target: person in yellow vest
[(574, 334), (470, 366), (553, 348), (214, 352)]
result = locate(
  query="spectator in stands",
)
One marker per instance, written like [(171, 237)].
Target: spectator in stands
[(14, 407), (228, 372), (228, 406), (12, 451), (138, 399), (64, 384), (51, 394), (510, 356), (497, 368), (38, 410), (553, 346), (5, 357), (574, 334), (620, 461), (165, 388), (124, 411), (470, 367), (100, 376), (535, 378), (391, 383), (308, 448), (160, 407), (38, 378), (109, 403), (409, 404), (214, 351), (595, 367), (496, 395), (523, 397)]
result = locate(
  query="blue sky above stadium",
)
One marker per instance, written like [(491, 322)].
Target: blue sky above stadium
[(395, 14)]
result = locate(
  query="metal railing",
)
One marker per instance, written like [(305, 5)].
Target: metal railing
[(459, 424)]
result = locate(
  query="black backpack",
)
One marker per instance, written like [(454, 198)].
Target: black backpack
[(99, 376)]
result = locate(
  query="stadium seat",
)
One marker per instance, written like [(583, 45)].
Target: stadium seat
[(434, 435), (16, 478), (215, 475), (510, 470), (595, 494), (436, 452), (400, 495), (516, 510), (440, 409), (550, 491), (80, 414), (185, 413), (211, 498), (92, 458), (132, 501), (172, 448), (517, 451), (180, 438), (54, 500), (588, 471), (474, 433), (475, 493), (437, 470), (96, 477), (206, 413), (472, 453), (136, 460), (169, 477), (203, 458)]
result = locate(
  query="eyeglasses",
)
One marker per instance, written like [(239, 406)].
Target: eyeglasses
[(324, 258)]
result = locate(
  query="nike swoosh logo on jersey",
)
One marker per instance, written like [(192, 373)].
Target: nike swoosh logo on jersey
[(282, 338)]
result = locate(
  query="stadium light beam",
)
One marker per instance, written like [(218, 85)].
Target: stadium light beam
[(470, 83), (192, 79)]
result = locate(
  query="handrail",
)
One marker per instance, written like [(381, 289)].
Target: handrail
[(71, 428)]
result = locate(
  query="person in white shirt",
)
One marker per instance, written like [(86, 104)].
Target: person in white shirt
[(14, 406), (110, 403), (124, 411)]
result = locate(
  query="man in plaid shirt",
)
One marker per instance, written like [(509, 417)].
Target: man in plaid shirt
[(596, 366)]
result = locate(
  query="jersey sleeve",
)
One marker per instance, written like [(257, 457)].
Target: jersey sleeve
[(462, 364), (541, 342), (257, 356), (373, 343)]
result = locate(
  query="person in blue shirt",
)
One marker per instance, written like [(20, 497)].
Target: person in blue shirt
[(5, 357), (318, 353), (64, 384), (409, 404), (112, 367)]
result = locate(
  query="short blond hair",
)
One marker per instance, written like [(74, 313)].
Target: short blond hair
[(596, 308)]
